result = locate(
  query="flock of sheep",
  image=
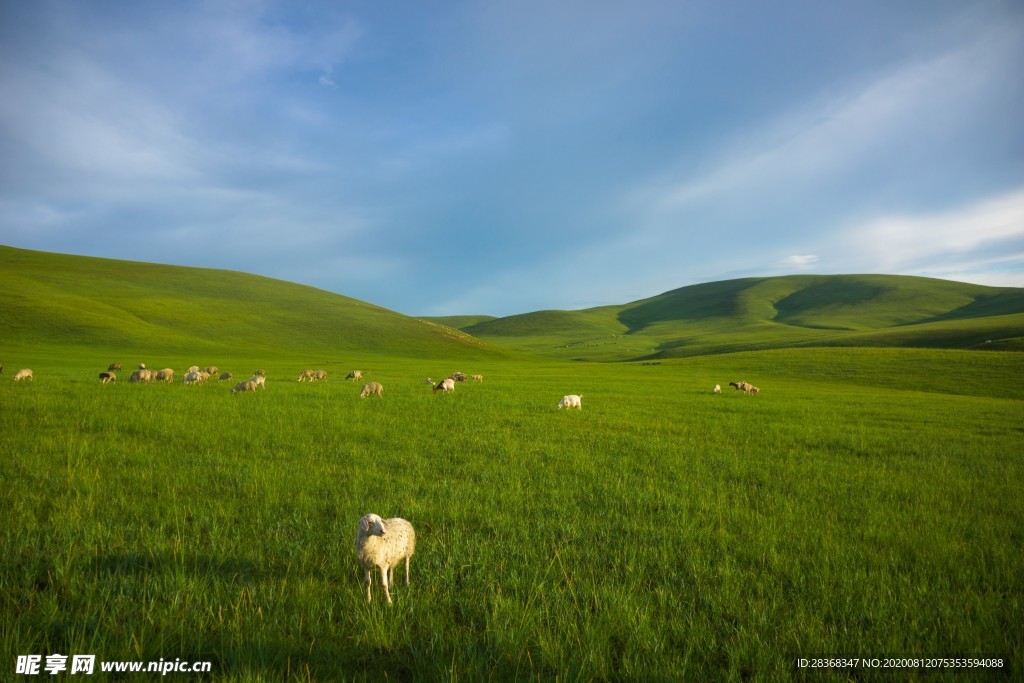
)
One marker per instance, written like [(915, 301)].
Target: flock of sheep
[(381, 544)]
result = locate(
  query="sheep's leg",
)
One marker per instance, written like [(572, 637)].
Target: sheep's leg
[(406, 570), (384, 579), (369, 580)]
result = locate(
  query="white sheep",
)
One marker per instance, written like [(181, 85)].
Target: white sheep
[(193, 368), (752, 390), (372, 388), (260, 381), (384, 543), (165, 375), (355, 374), (717, 389), (478, 378), (445, 385), (114, 367), (247, 385), (24, 373), (306, 375), (319, 375), (106, 377), (212, 370), (571, 401), (143, 375)]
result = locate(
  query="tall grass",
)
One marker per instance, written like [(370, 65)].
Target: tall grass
[(660, 533)]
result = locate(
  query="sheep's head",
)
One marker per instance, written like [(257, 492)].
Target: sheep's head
[(372, 525)]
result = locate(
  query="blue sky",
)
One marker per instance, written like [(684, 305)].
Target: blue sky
[(503, 157)]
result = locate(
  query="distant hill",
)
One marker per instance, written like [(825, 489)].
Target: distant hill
[(54, 301), (458, 321), (775, 312)]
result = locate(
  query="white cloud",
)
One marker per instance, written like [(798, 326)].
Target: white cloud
[(963, 235), (799, 261)]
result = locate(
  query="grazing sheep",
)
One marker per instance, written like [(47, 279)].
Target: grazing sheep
[(193, 368), (319, 375), (717, 389), (372, 388), (571, 401), (114, 367), (384, 543), (306, 375), (260, 373), (446, 385), (143, 375), (247, 385), (165, 375), (458, 376), (430, 381), (225, 376), (740, 386), (752, 390), (478, 378), (355, 374), (24, 373), (196, 377), (107, 377), (212, 370), (260, 381)]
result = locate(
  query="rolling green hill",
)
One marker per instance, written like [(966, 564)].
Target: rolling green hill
[(775, 312), (56, 301)]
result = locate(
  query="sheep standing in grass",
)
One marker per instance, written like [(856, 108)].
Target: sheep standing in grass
[(106, 377), (225, 377), (260, 381), (458, 376), (751, 390), (165, 375), (260, 373), (142, 375), (24, 373), (740, 386), (247, 385), (571, 401), (355, 374), (372, 388), (717, 389), (384, 543), (445, 385), (306, 375), (193, 368), (114, 367), (319, 375), (478, 378), (212, 370)]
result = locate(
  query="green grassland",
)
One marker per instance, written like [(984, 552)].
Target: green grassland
[(765, 313), (865, 504), (55, 301)]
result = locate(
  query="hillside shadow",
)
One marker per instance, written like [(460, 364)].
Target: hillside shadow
[(1005, 303), (690, 304), (796, 308)]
